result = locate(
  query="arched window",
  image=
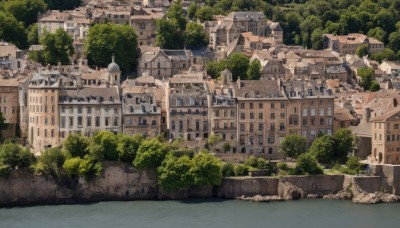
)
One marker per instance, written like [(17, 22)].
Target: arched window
[(154, 122), (270, 150), (243, 150)]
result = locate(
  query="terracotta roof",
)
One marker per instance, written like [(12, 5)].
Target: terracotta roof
[(343, 114), (384, 117)]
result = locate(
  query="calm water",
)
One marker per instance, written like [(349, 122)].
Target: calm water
[(204, 213)]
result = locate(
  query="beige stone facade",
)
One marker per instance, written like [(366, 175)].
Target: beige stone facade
[(385, 131), (348, 44)]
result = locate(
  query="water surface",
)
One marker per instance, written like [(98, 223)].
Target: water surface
[(204, 213)]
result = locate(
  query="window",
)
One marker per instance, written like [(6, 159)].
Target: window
[(242, 127), (321, 112), (232, 113), (116, 119), (271, 139), (304, 121), (260, 140), (251, 116), (305, 112), (63, 122), (313, 121), (260, 105), (312, 112), (260, 126), (173, 125), (217, 113), (329, 111), (321, 121), (79, 110), (53, 121), (282, 115), (272, 116), (97, 121), (251, 127), (89, 121), (272, 105), (281, 126), (242, 116), (80, 121), (89, 110), (115, 110), (251, 105), (242, 106), (272, 126), (260, 116), (71, 122), (197, 125), (283, 105)]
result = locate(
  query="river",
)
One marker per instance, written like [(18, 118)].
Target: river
[(203, 213)]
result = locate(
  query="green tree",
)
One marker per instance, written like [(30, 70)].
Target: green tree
[(307, 164), (214, 140), (367, 75), (57, 47), (238, 64), (214, 68), (206, 170), (128, 146), (228, 169), (227, 147), (150, 154), (176, 15), (105, 40), (386, 54), (191, 10), (343, 144), (294, 145), (168, 35), (50, 161), (25, 11), (323, 149), (33, 35), (310, 24), (90, 167), (71, 167), (353, 162), (12, 30), (377, 33), (174, 173), (63, 4), (108, 141), (374, 86), (14, 156), (241, 170), (317, 41), (76, 145), (362, 50), (195, 37), (394, 41), (254, 71), (205, 13)]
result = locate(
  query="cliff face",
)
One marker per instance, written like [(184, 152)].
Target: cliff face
[(123, 182)]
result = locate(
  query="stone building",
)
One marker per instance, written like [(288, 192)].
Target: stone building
[(8, 56), (188, 108), (261, 109), (224, 117), (385, 133), (229, 28), (9, 104), (145, 27), (310, 108), (43, 110), (141, 115), (162, 63), (348, 44)]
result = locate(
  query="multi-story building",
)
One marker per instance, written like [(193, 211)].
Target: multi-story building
[(43, 110), (140, 111), (162, 63), (385, 131), (348, 44), (224, 116), (145, 27), (229, 28), (9, 104), (309, 108), (188, 108), (261, 109), (8, 54)]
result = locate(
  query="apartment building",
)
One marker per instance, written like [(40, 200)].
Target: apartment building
[(348, 44)]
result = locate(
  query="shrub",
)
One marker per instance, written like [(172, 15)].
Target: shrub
[(353, 162), (89, 167), (71, 167), (150, 154), (283, 166), (241, 170), (5, 170), (228, 169), (251, 161), (128, 146), (206, 170), (76, 145), (14, 156), (306, 163), (174, 173), (108, 141), (50, 162)]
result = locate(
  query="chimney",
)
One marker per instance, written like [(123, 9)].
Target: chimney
[(238, 83), (366, 115)]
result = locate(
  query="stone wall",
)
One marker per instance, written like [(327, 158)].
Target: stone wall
[(123, 182)]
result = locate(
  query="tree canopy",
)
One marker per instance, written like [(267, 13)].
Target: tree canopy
[(105, 40), (294, 145), (57, 48)]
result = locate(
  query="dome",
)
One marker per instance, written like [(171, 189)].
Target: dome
[(113, 67)]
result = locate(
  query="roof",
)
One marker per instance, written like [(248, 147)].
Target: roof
[(90, 95), (363, 129), (258, 89), (343, 114), (395, 113)]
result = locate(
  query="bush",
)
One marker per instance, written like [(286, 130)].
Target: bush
[(174, 173), (150, 154), (108, 141), (228, 169), (14, 156), (206, 170), (50, 162), (5, 170), (241, 170), (251, 161), (89, 167), (283, 166), (306, 163), (353, 162), (71, 167), (128, 146), (76, 145)]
